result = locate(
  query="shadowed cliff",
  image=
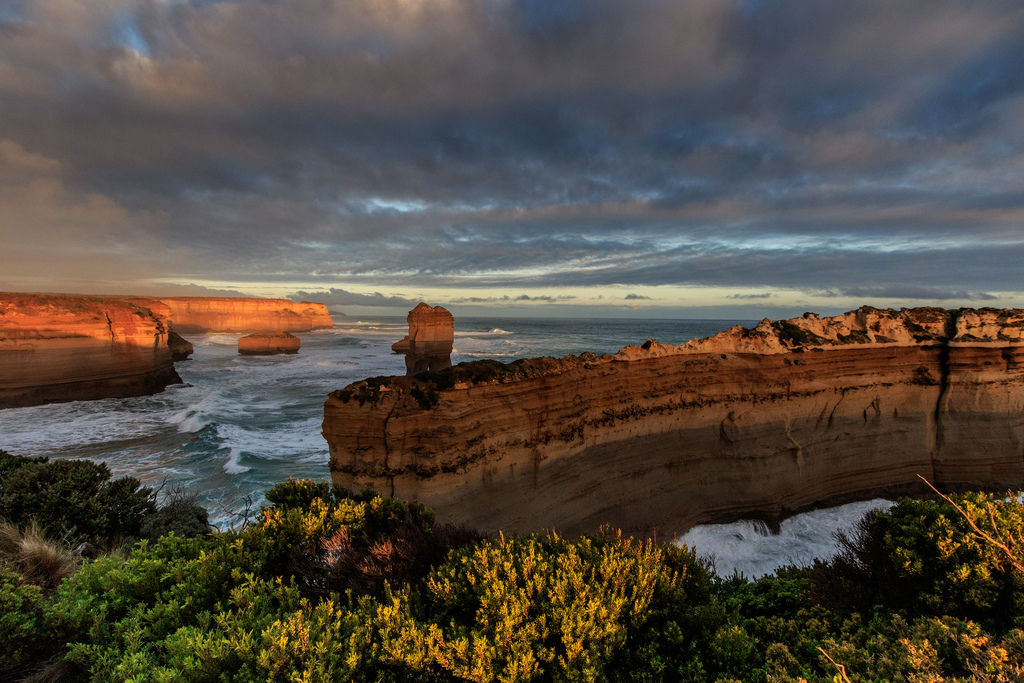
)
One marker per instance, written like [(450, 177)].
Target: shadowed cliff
[(657, 438)]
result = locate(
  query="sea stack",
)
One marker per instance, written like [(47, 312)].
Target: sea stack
[(428, 346), (656, 438), (59, 347), (262, 344)]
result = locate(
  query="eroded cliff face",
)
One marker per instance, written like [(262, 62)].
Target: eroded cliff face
[(658, 438), (198, 315), (67, 347)]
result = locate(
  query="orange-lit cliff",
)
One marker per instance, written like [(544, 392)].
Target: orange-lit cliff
[(655, 439), (197, 315), (68, 347)]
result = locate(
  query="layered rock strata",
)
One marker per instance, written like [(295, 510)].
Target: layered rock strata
[(65, 348), (428, 346), (198, 315), (262, 344), (657, 438)]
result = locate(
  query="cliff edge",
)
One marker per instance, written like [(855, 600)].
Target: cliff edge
[(657, 438), (199, 315), (67, 348)]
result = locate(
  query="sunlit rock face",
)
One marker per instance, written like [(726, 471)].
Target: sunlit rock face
[(657, 438), (263, 344), (66, 347), (198, 315), (428, 346)]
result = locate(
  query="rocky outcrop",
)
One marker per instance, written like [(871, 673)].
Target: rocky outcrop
[(199, 315), (262, 344), (65, 348), (428, 346), (180, 347), (657, 438)]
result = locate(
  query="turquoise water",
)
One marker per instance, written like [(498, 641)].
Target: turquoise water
[(242, 424)]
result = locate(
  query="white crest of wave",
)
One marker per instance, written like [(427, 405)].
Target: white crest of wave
[(746, 546), (234, 463)]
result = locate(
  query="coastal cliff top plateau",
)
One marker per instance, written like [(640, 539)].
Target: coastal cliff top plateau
[(47, 316)]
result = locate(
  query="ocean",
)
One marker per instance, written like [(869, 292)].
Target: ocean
[(240, 425)]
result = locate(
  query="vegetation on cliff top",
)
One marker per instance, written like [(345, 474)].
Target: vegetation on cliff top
[(327, 586), (425, 387)]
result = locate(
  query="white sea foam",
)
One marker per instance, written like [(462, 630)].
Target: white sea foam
[(482, 333), (233, 465), (747, 547)]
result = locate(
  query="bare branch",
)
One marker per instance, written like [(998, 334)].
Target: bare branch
[(1010, 555)]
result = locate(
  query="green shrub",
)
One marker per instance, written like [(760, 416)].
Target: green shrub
[(24, 641), (75, 498), (538, 607), (328, 587), (298, 493), (181, 518), (923, 558)]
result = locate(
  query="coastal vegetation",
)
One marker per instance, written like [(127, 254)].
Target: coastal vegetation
[(326, 585)]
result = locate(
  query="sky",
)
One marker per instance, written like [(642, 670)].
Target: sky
[(648, 158)]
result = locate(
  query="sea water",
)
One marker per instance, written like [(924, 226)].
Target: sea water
[(241, 424)]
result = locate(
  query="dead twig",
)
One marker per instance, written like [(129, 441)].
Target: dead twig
[(839, 667), (1013, 559)]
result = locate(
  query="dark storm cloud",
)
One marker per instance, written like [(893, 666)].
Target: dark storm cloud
[(636, 297), (845, 146)]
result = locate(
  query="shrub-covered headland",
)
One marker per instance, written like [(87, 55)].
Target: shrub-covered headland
[(328, 586)]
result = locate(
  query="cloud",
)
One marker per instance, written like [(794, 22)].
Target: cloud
[(636, 297), (545, 298), (766, 295), (191, 289), (470, 143), (341, 297), (506, 299), (909, 292)]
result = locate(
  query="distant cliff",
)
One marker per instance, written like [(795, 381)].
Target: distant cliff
[(197, 315), (657, 438), (68, 347)]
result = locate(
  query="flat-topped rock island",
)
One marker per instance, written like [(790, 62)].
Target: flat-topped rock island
[(657, 438)]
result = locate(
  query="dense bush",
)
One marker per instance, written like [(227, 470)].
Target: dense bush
[(326, 586), (22, 626), (922, 557), (72, 498), (179, 514)]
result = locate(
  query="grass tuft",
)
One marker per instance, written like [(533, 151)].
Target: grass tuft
[(41, 561)]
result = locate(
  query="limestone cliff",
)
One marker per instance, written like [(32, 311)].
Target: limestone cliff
[(657, 438), (67, 347), (198, 315)]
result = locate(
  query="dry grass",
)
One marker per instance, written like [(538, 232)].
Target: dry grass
[(39, 560)]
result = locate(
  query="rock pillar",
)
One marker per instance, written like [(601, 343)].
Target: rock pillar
[(428, 346)]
